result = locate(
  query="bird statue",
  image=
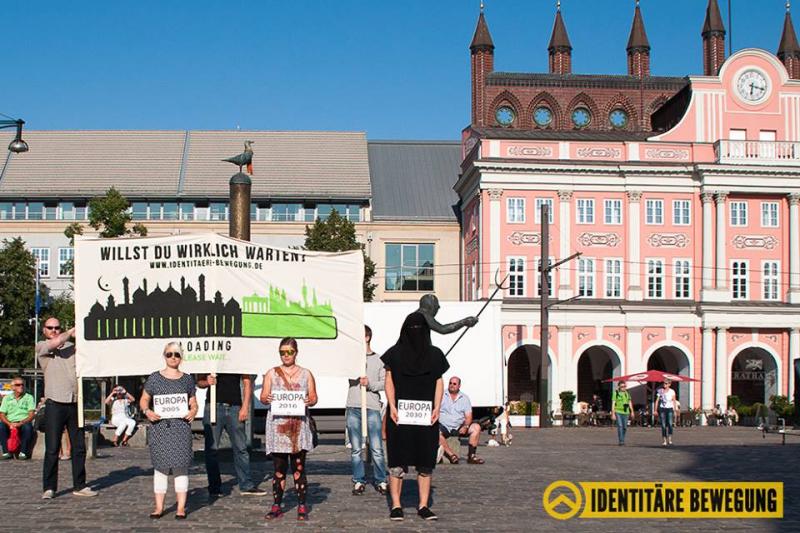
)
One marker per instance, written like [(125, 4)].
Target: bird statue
[(245, 158)]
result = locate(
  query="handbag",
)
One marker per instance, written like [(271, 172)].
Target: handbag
[(13, 441), (39, 418), (312, 424)]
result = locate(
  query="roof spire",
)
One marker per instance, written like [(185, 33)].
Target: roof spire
[(788, 45), (713, 22), (559, 39), (481, 40), (638, 37)]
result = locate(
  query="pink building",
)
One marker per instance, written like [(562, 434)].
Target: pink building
[(688, 230)]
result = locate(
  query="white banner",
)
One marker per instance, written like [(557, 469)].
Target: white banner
[(228, 303)]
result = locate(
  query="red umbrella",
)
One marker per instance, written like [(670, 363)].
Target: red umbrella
[(652, 376)]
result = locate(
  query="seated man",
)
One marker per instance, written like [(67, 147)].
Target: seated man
[(455, 420), (17, 411)]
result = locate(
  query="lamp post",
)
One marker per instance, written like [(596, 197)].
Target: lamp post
[(17, 146)]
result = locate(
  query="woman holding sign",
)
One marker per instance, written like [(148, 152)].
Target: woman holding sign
[(289, 390), (414, 388), (173, 409)]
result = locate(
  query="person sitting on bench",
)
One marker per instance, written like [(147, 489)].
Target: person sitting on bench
[(120, 399), (455, 420)]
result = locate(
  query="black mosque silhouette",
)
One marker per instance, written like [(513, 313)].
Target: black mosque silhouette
[(163, 313)]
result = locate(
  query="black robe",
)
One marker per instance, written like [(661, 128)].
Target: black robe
[(415, 365)]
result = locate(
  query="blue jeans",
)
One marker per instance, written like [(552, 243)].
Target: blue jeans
[(622, 426), (227, 419), (374, 424), (25, 432), (666, 416)]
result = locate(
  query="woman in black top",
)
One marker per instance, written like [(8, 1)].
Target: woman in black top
[(414, 369)]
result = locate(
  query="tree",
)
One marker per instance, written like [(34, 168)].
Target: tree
[(337, 234), (17, 293), (110, 215)]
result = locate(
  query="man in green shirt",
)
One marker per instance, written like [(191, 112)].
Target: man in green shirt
[(16, 411), (622, 408)]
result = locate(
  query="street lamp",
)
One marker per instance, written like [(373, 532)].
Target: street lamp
[(17, 146)]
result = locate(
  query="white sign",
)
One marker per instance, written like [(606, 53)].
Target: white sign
[(288, 403), (414, 412), (227, 302), (171, 405)]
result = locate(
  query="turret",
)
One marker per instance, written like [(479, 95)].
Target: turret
[(713, 40), (482, 63), (559, 50), (638, 47)]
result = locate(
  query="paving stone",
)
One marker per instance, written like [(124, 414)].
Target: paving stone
[(502, 495)]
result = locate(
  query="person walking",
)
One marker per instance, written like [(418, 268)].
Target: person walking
[(665, 403), (288, 437), (173, 408), (622, 408), (56, 355), (414, 388), (374, 380), (120, 399), (234, 393)]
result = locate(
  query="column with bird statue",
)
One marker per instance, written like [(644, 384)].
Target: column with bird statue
[(238, 224)]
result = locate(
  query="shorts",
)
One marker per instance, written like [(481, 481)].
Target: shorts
[(400, 471), (448, 432)]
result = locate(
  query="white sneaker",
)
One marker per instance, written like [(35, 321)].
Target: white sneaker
[(47, 495), (358, 488), (669, 441), (85, 491)]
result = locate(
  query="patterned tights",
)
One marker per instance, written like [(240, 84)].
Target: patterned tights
[(281, 463)]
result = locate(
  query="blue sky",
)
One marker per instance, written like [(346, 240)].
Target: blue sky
[(397, 70)]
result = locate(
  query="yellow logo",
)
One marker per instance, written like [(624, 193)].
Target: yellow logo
[(647, 499), (562, 506)]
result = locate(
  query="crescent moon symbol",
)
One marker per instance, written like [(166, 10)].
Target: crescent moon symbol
[(107, 288)]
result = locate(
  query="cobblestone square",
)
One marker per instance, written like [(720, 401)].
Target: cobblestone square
[(503, 495)]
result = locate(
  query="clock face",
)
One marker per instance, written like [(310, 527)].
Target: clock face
[(752, 86), (581, 117), (504, 116), (542, 116)]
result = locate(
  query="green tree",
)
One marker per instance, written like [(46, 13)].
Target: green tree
[(17, 293), (110, 216), (337, 234)]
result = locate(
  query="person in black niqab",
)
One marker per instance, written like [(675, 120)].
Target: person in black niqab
[(414, 369)]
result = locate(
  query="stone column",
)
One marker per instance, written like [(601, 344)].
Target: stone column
[(721, 364), (722, 223), (794, 248), (633, 350), (708, 241), (794, 355), (634, 245), (495, 212), (565, 370), (565, 235), (707, 372)]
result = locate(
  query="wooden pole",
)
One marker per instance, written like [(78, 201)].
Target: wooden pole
[(80, 405)]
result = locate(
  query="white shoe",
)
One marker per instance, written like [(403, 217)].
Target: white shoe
[(85, 492), (47, 495), (664, 443), (669, 441)]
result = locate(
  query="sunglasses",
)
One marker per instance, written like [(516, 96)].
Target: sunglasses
[(56, 328), (170, 355), (17, 384), (287, 352)]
